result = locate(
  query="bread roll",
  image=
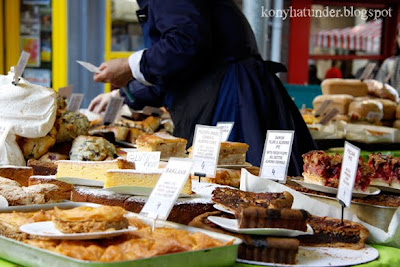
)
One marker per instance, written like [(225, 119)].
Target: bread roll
[(389, 108), (398, 112), (378, 89), (370, 110), (341, 102), (344, 86), (396, 124)]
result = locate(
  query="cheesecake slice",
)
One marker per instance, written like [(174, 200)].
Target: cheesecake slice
[(93, 170), (139, 179)]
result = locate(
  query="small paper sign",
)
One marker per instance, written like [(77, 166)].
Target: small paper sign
[(348, 173), (19, 69), (75, 102), (167, 189), (368, 71), (206, 145), (4, 130), (66, 91), (112, 110), (276, 155), (226, 128), (89, 66), (328, 117), (145, 161), (320, 111), (152, 111)]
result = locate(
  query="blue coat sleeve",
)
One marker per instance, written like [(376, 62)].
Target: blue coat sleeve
[(142, 95), (184, 44)]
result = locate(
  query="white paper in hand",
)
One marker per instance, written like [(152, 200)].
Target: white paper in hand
[(167, 189), (89, 66), (348, 173)]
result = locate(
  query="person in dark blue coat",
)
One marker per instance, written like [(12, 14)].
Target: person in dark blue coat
[(203, 64)]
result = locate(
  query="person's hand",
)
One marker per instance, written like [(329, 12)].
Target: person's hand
[(100, 102), (115, 71)]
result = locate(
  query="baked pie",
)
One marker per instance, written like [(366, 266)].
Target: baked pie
[(90, 219), (170, 146)]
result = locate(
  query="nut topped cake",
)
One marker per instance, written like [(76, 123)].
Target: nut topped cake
[(170, 146), (231, 199), (87, 219)]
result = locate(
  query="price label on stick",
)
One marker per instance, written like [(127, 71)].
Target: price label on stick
[(19, 69), (368, 71), (320, 111), (276, 155), (226, 128), (66, 91), (328, 117), (145, 161), (206, 145), (89, 66), (348, 173), (167, 189), (112, 110), (75, 102)]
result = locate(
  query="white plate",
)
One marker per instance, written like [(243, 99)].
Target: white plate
[(81, 181), (137, 190), (47, 229), (331, 190), (219, 207), (385, 188), (321, 256), (3, 202), (232, 225)]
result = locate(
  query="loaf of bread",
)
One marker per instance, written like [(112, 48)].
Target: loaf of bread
[(368, 110), (344, 86), (388, 107)]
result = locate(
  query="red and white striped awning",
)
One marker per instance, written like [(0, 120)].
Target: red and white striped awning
[(364, 37)]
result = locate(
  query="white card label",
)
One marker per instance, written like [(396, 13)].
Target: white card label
[(206, 144), (66, 91), (4, 130), (167, 189), (276, 155), (226, 128), (348, 173), (89, 66), (144, 161), (113, 109), (368, 71), (75, 102), (23, 60)]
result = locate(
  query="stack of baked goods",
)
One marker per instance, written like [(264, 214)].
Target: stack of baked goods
[(273, 210), (367, 102)]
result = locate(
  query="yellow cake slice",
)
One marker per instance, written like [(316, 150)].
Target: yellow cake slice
[(93, 170), (139, 179), (170, 146)]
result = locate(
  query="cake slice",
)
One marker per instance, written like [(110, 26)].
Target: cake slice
[(139, 179), (93, 170), (169, 145), (330, 232), (230, 153), (231, 199), (19, 174), (259, 217), (133, 134), (254, 247), (64, 188)]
